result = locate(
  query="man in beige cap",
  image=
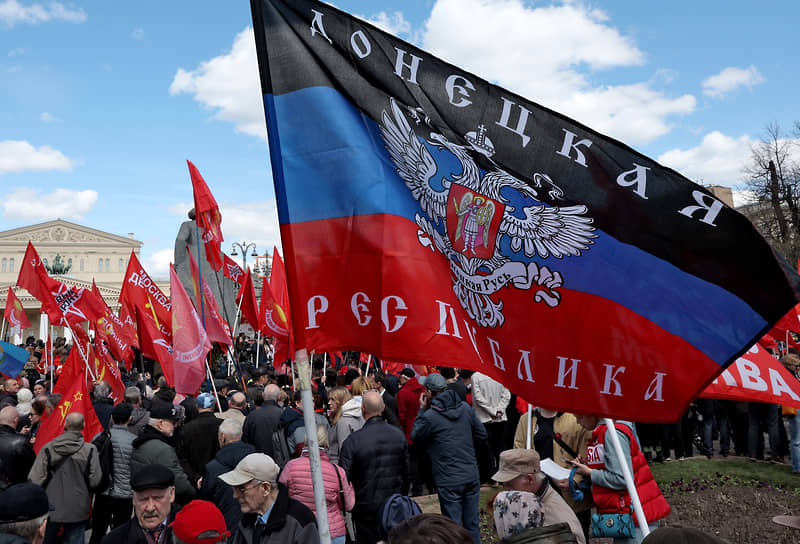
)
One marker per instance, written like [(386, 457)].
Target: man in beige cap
[(519, 470), (269, 514)]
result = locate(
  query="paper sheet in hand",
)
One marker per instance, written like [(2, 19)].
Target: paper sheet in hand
[(553, 470)]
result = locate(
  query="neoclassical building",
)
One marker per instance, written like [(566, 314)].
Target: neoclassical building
[(92, 254)]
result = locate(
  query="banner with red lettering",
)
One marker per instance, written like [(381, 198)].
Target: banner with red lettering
[(756, 376)]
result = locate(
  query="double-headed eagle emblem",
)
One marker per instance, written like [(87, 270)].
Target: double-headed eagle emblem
[(492, 227)]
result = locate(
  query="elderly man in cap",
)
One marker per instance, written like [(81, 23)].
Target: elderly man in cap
[(156, 446), (23, 514), (153, 489), (447, 427), (199, 522), (198, 439), (269, 514), (519, 470)]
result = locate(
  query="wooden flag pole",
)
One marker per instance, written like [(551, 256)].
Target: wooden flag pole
[(626, 472)]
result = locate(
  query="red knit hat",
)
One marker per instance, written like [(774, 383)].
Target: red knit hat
[(200, 518)]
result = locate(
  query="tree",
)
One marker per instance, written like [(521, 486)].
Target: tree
[(773, 176)]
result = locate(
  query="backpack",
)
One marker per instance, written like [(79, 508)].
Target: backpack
[(280, 447), (105, 455), (395, 509)]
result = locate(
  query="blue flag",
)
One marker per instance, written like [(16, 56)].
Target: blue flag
[(12, 359)]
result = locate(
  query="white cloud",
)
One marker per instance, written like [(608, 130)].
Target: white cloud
[(244, 223), (718, 160), (229, 85), (730, 79), (137, 33), (16, 52), (21, 156), (157, 264), (545, 53), (393, 23), (12, 12), (30, 204), (47, 117), (740, 198)]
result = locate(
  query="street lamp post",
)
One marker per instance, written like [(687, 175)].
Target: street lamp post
[(243, 247)]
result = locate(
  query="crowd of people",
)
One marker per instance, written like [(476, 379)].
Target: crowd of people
[(232, 464)]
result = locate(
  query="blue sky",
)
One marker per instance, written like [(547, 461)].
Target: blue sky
[(101, 102)]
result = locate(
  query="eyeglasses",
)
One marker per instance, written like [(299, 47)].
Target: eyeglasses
[(244, 488)]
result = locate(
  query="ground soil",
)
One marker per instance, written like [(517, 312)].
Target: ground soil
[(736, 514)]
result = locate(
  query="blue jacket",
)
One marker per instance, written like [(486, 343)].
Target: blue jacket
[(447, 430)]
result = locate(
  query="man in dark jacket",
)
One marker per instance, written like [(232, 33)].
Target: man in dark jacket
[(198, 442), (155, 447), (16, 453), (269, 514), (260, 424), (153, 508), (102, 403), (232, 450), (140, 415), (23, 514), (447, 426), (374, 458)]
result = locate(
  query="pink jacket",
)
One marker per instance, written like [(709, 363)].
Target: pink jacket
[(296, 476)]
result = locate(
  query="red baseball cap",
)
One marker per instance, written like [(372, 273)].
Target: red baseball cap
[(200, 522)]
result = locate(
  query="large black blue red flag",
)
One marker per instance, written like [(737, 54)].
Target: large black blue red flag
[(428, 216)]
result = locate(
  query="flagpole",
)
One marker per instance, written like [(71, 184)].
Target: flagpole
[(3, 330), (626, 473), (51, 357), (258, 346), (530, 421), (213, 386), (304, 379)]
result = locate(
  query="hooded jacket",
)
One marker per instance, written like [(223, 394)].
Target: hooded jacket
[(447, 429), (139, 419), (408, 405), (69, 481), (350, 421), (154, 447), (217, 491)]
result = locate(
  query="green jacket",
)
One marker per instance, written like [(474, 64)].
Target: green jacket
[(154, 448)]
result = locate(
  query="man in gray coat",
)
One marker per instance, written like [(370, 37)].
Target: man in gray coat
[(114, 505), (61, 468)]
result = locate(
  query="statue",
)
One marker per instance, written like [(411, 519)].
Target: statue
[(59, 267), (224, 289)]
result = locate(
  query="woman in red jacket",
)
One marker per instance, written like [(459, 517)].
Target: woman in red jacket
[(603, 468), (296, 476)]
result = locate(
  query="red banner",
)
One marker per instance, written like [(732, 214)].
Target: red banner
[(756, 376), (154, 344), (218, 331), (139, 291), (208, 217), (106, 369), (192, 345), (249, 305), (233, 271), (274, 312), (14, 313), (113, 331)]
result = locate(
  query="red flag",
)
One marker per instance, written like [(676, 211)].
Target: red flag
[(217, 329), (207, 216), (140, 291), (75, 399), (14, 313), (106, 369), (284, 344), (154, 344), (390, 367), (112, 330), (248, 303), (232, 270), (64, 305), (756, 376), (274, 322), (191, 343)]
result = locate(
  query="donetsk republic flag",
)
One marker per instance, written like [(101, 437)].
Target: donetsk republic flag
[(428, 216)]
